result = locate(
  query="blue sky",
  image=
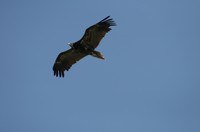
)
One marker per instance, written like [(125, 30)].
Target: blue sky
[(149, 81)]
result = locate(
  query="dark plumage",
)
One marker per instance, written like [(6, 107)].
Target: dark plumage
[(85, 46)]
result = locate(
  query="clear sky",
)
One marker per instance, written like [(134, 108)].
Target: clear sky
[(149, 82)]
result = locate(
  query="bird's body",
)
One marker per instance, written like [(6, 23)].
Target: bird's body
[(85, 46)]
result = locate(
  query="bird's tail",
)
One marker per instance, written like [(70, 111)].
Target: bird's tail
[(97, 54)]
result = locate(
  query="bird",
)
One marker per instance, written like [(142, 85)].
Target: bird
[(83, 47)]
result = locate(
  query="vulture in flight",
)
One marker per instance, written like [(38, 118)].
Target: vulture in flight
[(85, 46)]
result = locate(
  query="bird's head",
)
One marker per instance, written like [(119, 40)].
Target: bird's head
[(71, 45)]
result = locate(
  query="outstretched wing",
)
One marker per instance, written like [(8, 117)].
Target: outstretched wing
[(65, 60), (95, 33)]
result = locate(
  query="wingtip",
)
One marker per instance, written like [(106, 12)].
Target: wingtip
[(108, 20), (105, 18), (57, 72)]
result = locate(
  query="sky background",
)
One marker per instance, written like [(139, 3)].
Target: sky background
[(149, 82)]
